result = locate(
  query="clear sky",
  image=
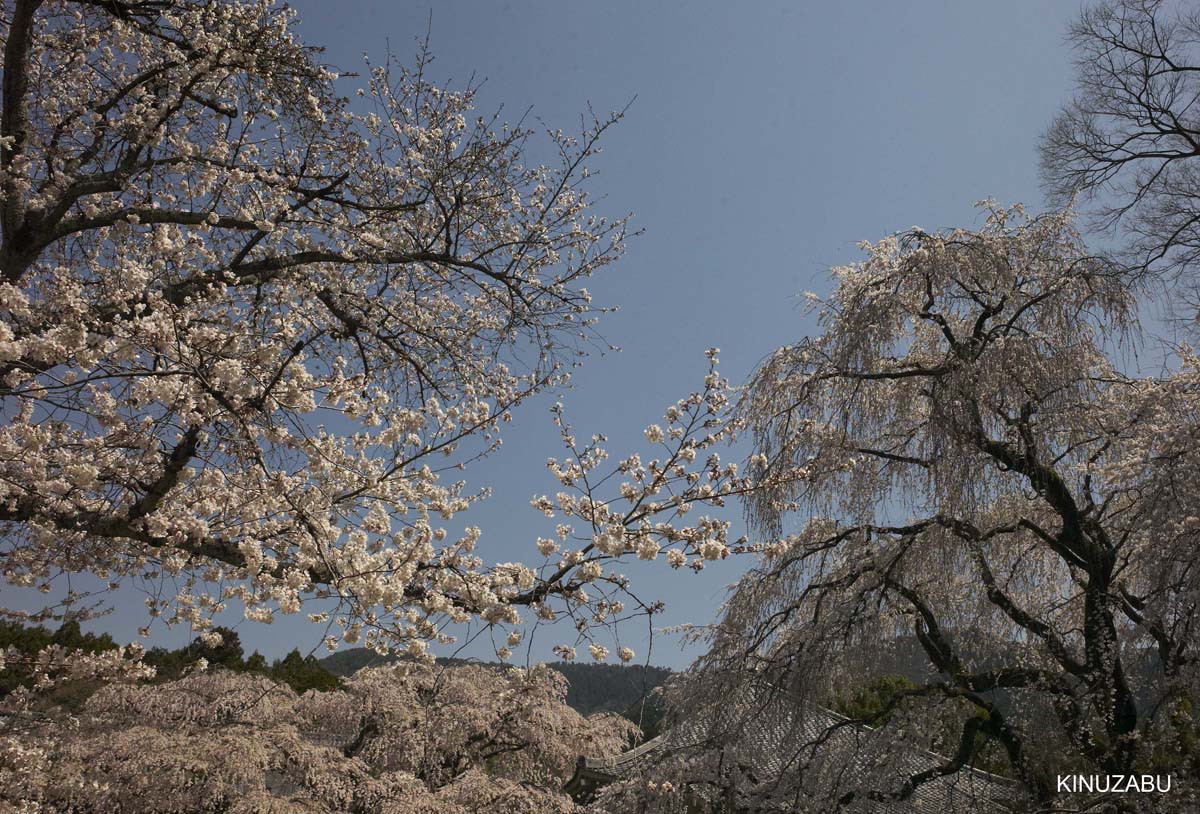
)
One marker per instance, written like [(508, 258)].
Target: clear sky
[(766, 140)]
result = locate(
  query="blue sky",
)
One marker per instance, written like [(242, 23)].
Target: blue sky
[(765, 141)]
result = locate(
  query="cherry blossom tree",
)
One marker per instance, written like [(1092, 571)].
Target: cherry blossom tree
[(958, 458), (1127, 143), (28, 720), (247, 325), (407, 738)]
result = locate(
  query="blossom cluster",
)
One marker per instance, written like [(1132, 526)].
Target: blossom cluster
[(639, 507), (404, 739), (961, 470), (250, 333)]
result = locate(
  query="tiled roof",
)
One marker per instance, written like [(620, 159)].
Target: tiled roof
[(772, 734)]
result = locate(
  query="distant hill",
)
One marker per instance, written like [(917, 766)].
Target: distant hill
[(608, 687), (348, 662), (591, 687)]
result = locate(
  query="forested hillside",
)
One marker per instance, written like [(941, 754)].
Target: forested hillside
[(592, 687)]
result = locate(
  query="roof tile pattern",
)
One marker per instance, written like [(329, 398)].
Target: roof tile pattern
[(767, 735)]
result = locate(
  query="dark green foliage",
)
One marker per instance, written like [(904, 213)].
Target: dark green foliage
[(303, 673), (28, 641), (873, 702), (876, 700), (648, 713), (168, 664), (228, 653), (71, 637), (592, 688), (171, 664)]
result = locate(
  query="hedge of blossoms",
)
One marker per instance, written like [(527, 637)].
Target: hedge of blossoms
[(397, 740), (246, 326), (962, 465)]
